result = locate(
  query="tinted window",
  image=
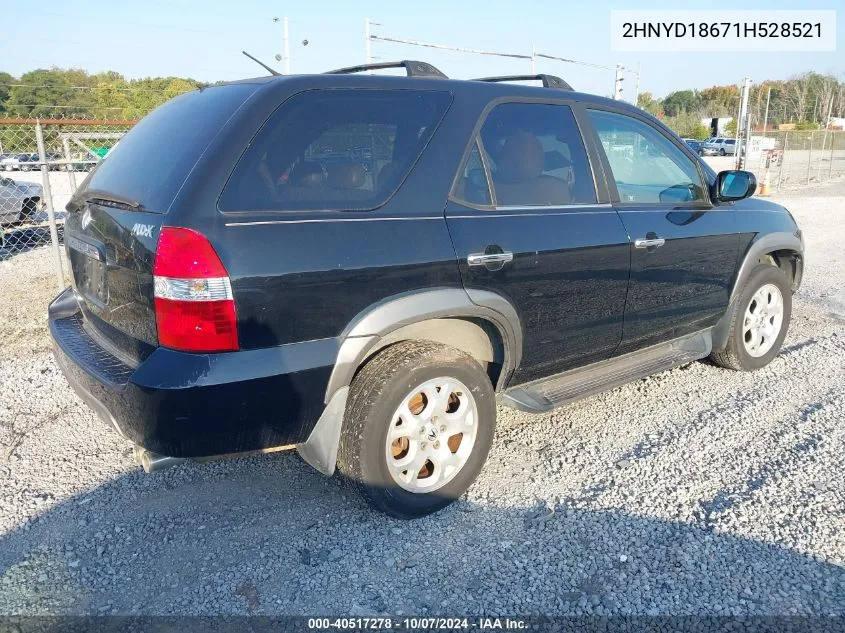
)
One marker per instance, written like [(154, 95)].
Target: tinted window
[(151, 162), (731, 141), (334, 149), (536, 156), (647, 166), (472, 185)]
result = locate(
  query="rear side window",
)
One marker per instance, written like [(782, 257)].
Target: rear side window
[(334, 149), (151, 162), (536, 157)]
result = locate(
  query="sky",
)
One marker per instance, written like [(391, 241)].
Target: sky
[(203, 39)]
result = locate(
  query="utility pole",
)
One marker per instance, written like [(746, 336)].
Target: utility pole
[(740, 122), (637, 89), (617, 84), (368, 59), (287, 45), (766, 115)]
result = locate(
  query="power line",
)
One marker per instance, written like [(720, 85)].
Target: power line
[(448, 48)]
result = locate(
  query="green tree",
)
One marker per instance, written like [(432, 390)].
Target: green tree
[(647, 102), (5, 80), (681, 101)]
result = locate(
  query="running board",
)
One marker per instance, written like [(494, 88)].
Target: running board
[(544, 395)]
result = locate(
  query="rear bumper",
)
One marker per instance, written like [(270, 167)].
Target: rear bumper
[(194, 405)]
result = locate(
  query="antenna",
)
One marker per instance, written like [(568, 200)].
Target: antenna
[(263, 65)]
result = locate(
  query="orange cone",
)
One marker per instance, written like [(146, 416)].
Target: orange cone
[(764, 186)]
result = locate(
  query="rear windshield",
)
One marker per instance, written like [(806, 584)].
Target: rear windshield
[(150, 163), (334, 149)]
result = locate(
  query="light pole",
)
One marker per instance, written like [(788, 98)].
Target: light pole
[(286, 57)]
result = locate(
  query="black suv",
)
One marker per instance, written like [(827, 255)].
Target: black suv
[(358, 265)]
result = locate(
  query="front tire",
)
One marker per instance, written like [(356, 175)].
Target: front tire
[(418, 427), (759, 321), (722, 152)]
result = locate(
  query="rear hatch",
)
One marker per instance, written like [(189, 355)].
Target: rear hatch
[(114, 220)]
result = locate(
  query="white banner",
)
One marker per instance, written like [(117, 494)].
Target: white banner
[(723, 30)]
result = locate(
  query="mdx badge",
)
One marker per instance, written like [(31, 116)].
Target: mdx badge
[(143, 230)]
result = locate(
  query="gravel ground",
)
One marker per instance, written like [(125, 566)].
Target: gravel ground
[(694, 491)]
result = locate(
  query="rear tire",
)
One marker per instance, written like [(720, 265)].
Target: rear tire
[(722, 152), (443, 439), (759, 321)]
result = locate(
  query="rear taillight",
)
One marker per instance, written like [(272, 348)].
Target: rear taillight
[(195, 311)]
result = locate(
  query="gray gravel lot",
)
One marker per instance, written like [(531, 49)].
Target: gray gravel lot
[(694, 491)]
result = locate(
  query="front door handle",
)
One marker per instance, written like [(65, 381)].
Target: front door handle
[(493, 261), (652, 242)]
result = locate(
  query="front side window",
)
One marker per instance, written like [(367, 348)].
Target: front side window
[(647, 166), (334, 149), (536, 157)]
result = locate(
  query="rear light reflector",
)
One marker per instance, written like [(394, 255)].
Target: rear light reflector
[(195, 309)]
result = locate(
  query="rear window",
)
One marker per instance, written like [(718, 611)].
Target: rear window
[(334, 149), (151, 162)]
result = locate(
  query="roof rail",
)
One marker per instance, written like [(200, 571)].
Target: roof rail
[(549, 81), (412, 67)]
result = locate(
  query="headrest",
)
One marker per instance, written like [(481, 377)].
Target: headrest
[(348, 175), (522, 158), (307, 174)]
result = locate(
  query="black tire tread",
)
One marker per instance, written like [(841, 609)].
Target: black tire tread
[(729, 358), (367, 389)]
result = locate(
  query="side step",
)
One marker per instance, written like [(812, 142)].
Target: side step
[(546, 394)]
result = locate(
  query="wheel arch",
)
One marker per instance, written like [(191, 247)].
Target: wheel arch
[(782, 249), (444, 315), (481, 323)]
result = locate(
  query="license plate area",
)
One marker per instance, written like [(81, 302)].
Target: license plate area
[(87, 261)]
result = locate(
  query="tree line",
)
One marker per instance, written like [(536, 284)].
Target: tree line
[(76, 94), (806, 100)]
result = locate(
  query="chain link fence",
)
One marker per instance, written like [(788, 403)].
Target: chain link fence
[(797, 158), (42, 162)]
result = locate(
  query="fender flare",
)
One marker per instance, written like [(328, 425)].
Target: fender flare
[(364, 332), (764, 244)]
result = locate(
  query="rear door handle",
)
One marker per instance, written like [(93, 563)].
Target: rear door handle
[(493, 261), (649, 243)]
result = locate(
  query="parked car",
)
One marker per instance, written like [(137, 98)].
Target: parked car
[(19, 201), (28, 162), (721, 146), (694, 144), (11, 162), (532, 244)]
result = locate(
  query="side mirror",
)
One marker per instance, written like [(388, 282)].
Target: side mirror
[(735, 185)]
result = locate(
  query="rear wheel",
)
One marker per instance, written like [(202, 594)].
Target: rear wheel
[(418, 426), (759, 321), (722, 152)]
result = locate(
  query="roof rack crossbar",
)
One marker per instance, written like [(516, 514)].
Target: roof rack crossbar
[(549, 81), (412, 67)]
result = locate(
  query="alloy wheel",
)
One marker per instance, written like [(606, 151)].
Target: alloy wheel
[(431, 435)]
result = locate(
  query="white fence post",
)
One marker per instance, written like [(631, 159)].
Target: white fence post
[(48, 199)]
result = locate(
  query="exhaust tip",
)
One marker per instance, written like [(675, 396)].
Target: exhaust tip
[(153, 462)]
